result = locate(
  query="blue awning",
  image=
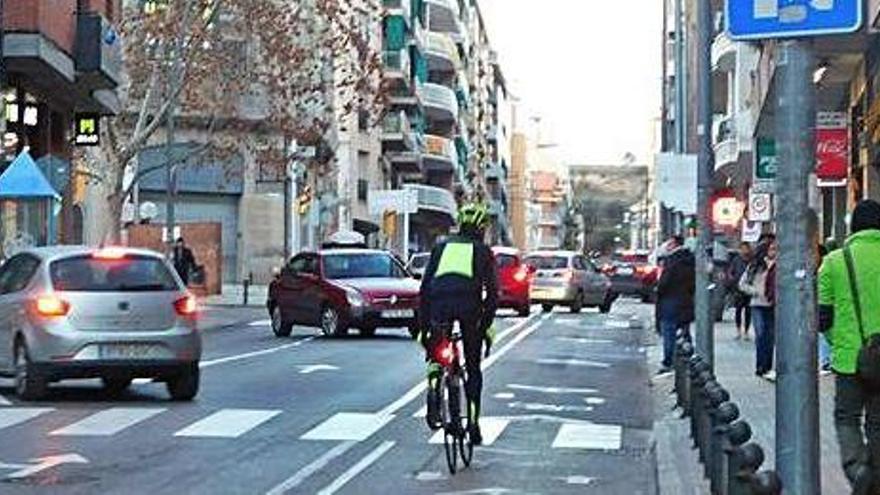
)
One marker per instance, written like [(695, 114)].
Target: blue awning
[(24, 180)]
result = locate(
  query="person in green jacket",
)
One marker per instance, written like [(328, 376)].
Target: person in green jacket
[(859, 450)]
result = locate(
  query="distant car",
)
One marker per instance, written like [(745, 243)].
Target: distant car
[(114, 314), (566, 278), (632, 274), (417, 264), (338, 289), (514, 280)]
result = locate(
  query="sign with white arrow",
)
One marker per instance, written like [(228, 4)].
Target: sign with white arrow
[(311, 368), (41, 464)]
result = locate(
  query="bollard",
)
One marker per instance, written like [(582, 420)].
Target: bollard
[(247, 285), (682, 359), (747, 460), (737, 434), (723, 416), (715, 395), (700, 374)]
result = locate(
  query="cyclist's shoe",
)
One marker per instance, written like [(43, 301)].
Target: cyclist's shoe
[(476, 435)]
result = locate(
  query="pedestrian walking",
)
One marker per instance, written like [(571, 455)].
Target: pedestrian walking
[(675, 297), (742, 302), (849, 293), (183, 260), (754, 282)]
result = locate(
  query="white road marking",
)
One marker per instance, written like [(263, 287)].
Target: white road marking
[(141, 381), (421, 413), (318, 464), (228, 423), (311, 368), (355, 470), (490, 427), (417, 390), (248, 355), (594, 401), (504, 395), (578, 480), (11, 417), (47, 462), (4, 401), (574, 362), (260, 323), (588, 436), (495, 490), (583, 340), (539, 407), (430, 476), (552, 390), (617, 324), (109, 422), (355, 427)]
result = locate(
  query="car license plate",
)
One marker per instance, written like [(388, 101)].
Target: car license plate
[(625, 271), (127, 351), (398, 313)]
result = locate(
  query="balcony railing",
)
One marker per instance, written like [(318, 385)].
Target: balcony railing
[(723, 53), (396, 123), (442, 52), (397, 61), (435, 199), (440, 153), (725, 142), (404, 7), (444, 16), (441, 99)]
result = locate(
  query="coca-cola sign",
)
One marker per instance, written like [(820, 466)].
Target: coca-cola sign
[(832, 149)]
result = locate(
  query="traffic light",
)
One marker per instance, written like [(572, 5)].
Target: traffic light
[(304, 200)]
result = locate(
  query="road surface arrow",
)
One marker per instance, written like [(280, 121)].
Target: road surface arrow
[(41, 464), (311, 368)]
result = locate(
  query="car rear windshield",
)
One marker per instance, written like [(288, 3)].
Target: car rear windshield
[(340, 266), (131, 273), (547, 262), (505, 260)]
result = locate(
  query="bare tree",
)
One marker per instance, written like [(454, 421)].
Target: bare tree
[(272, 70)]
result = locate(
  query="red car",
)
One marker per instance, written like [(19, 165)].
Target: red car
[(339, 289), (514, 280)]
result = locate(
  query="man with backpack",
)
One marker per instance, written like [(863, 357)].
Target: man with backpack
[(849, 295)]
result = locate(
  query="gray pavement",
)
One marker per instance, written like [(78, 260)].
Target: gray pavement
[(567, 410), (756, 398)]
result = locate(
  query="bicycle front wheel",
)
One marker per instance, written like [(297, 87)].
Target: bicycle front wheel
[(451, 420), (465, 445)]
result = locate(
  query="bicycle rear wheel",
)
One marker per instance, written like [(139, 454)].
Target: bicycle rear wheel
[(451, 418), (465, 445)]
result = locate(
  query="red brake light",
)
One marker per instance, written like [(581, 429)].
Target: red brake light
[(444, 354), (51, 306), (522, 274), (186, 306), (109, 253)]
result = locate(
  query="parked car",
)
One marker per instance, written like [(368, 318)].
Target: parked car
[(417, 264), (566, 278), (514, 280), (338, 289), (632, 274), (115, 314)]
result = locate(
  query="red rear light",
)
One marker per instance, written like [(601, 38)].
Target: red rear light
[(522, 274), (187, 306), (109, 253), (51, 306), (444, 354)]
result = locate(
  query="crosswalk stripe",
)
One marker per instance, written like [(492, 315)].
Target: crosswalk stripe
[(13, 416), (228, 423), (348, 426), (108, 422), (421, 413), (4, 401), (588, 436), (490, 427)]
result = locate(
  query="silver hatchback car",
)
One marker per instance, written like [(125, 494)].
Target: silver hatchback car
[(112, 313), (567, 278)]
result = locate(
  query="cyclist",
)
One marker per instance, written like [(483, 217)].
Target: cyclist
[(459, 284)]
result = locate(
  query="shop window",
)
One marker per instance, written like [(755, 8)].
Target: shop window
[(363, 190)]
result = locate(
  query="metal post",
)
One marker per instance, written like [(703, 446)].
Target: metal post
[(294, 214), (288, 213), (680, 78), (797, 403), (705, 166), (406, 236)]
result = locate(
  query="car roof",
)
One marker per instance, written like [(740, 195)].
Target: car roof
[(343, 251), (560, 252), (57, 252), (506, 250)]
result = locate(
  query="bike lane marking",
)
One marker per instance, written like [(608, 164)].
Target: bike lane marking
[(355, 470), (248, 355), (310, 469)]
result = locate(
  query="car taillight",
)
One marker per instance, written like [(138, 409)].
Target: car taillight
[(110, 254), (187, 306), (444, 354), (51, 306), (521, 275)]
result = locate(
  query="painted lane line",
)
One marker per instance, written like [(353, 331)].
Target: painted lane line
[(417, 390), (594, 401), (490, 427), (554, 408), (260, 323), (504, 395), (421, 413), (228, 423), (308, 369), (578, 480), (583, 340), (496, 355), (552, 390), (109, 422), (588, 437), (574, 362), (12, 417), (355, 470), (248, 355), (307, 471), (4, 401), (355, 427)]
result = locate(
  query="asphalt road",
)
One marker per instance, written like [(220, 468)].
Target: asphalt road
[(567, 409)]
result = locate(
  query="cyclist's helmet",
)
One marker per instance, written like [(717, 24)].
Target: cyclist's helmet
[(473, 215)]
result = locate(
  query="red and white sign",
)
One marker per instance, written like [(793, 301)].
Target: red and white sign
[(760, 207), (832, 149)]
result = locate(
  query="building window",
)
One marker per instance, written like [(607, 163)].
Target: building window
[(363, 190)]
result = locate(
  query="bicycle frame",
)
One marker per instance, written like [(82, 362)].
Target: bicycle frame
[(450, 354)]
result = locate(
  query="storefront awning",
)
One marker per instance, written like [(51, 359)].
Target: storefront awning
[(24, 180)]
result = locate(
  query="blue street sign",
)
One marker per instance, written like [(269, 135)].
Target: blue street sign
[(760, 19)]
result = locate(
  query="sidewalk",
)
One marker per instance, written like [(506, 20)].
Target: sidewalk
[(233, 295), (756, 399)]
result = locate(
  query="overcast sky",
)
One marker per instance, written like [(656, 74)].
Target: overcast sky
[(589, 68)]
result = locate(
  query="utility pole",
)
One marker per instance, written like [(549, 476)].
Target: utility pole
[(705, 166), (797, 396), (680, 79)]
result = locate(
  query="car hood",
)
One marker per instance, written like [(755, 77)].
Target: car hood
[(378, 287)]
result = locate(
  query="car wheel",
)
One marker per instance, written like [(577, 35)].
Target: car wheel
[(547, 307), (29, 384), (280, 327), (525, 310), (331, 323), (184, 385), (368, 332), (116, 385), (578, 304)]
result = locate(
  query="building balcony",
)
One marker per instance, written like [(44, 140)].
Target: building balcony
[(440, 102), (98, 54), (725, 143), (397, 133), (435, 199), (444, 16), (440, 154), (723, 53), (399, 7), (441, 52), (396, 65)]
